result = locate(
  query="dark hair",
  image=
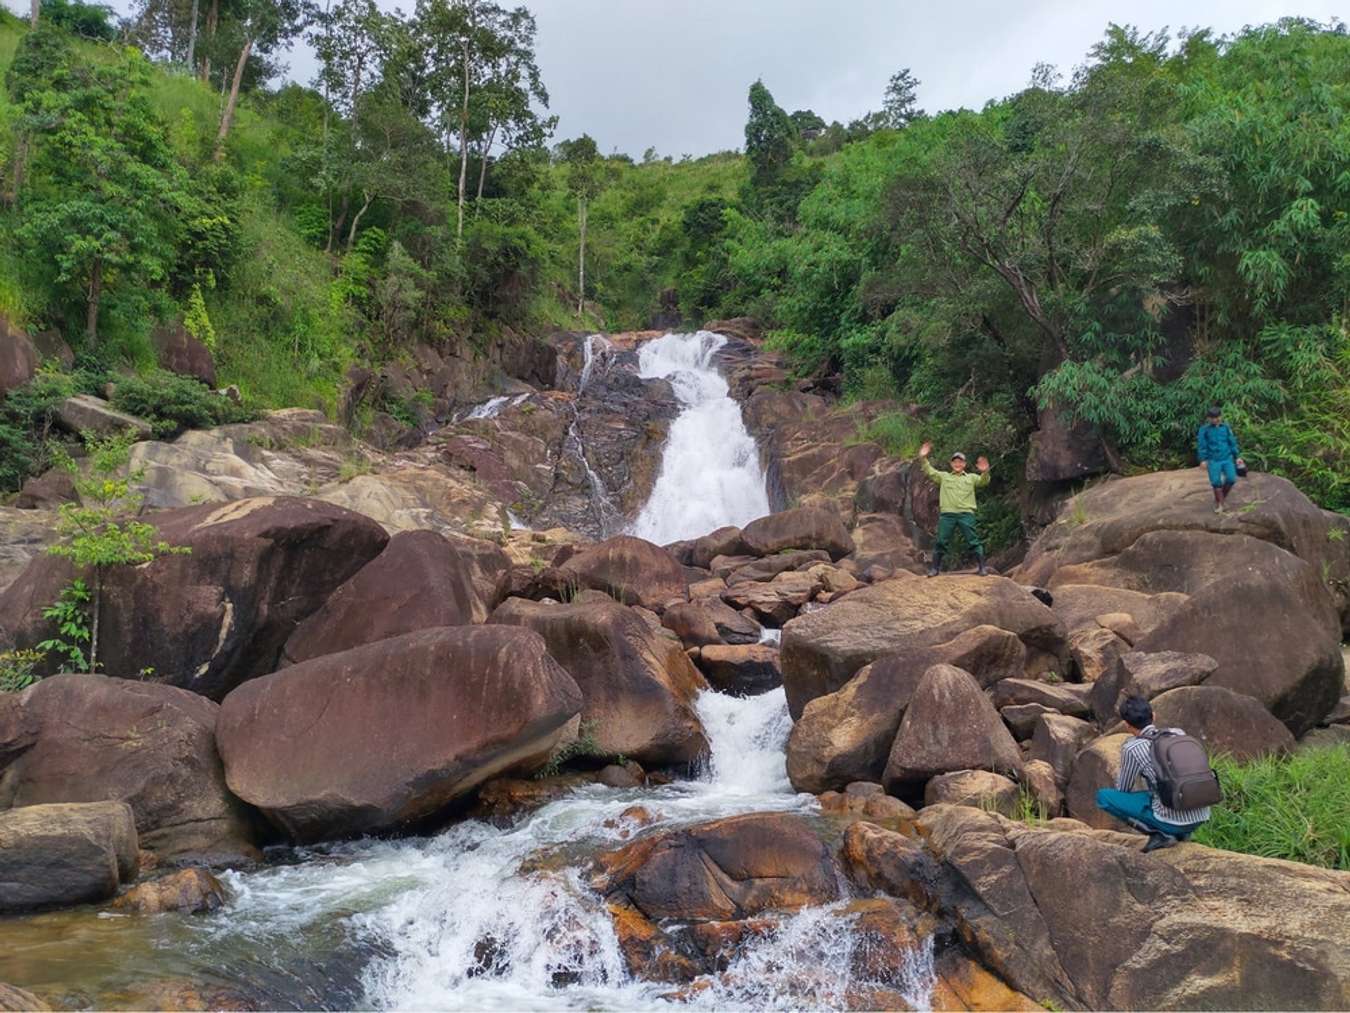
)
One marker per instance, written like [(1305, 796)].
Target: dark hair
[(1135, 711), (1214, 411)]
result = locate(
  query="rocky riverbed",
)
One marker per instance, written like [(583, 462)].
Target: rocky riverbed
[(540, 712)]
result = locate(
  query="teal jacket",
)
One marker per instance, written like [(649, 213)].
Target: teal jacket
[(1216, 443)]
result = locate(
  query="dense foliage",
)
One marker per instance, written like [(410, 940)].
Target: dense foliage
[(1169, 227)]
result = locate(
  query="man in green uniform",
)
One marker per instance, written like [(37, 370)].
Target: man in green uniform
[(956, 504)]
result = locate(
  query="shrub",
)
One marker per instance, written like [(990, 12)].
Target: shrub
[(18, 669), (172, 403), (1295, 807)]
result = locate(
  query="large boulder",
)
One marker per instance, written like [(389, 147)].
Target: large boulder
[(774, 601), (847, 735), (725, 541), (728, 869), (421, 579), (824, 649), (384, 735), (179, 352), (1096, 766), (19, 357), (979, 788), (802, 528), (1063, 449), (1137, 673), (1193, 928), (710, 621), (741, 669), (1227, 723), (949, 725), (632, 570), (85, 413), (219, 614), (1057, 740), (65, 854), (91, 738), (638, 687), (1257, 568)]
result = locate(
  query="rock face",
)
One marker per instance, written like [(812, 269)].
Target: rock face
[(823, 650), (19, 358), (179, 352), (638, 687), (65, 854), (742, 669), (435, 713), (218, 615), (803, 528), (949, 725), (1096, 766), (1146, 675), (1249, 572), (727, 869), (1063, 451), (422, 579), (1189, 928), (631, 570), (90, 738), (1226, 722), (978, 788)]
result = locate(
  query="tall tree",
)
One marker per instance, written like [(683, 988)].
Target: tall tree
[(900, 103), (769, 134), (261, 26), (586, 178)]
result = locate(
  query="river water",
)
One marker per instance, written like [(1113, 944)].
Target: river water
[(480, 917)]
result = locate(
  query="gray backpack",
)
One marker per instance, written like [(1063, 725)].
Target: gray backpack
[(1185, 780)]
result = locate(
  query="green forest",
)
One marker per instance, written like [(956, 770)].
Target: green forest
[(1164, 226)]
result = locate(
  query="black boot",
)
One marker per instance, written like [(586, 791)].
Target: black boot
[(935, 565), (1157, 841), (980, 568)]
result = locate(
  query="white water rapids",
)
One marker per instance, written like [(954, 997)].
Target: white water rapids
[(711, 475)]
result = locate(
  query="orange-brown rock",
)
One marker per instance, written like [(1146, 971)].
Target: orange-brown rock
[(651, 954), (802, 528), (634, 571), (188, 891)]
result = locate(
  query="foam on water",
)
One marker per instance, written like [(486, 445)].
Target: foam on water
[(711, 474)]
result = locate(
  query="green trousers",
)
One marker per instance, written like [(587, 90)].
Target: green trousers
[(947, 523)]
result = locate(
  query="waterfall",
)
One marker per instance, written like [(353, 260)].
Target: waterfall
[(711, 474), (596, 349)]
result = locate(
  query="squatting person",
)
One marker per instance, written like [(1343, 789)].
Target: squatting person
[(1217, 449), (956, 504), (1145, 810)]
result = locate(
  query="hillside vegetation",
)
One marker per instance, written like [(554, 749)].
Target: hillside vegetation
[(1168, 226)]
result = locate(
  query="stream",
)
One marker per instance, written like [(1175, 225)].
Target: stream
[(476, 916)]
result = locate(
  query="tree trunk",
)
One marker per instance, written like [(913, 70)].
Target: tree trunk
[(91, 303), (20, 166), (463, 142), (192, 36), (581, 255), (212, 23), (93, 623), (37, 5), (351, 236), (227, 117), (482, 168), (335, 225)]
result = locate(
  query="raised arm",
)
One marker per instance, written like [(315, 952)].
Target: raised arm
[(928, 469), (982, 466)]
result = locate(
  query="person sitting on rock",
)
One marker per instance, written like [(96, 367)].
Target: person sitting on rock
[(1144, 810), (956, 504), (1218, 451)]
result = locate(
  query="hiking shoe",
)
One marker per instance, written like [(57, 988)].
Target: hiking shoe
[(932, 571), (1157, 841), (981, 571), (1218, 508)]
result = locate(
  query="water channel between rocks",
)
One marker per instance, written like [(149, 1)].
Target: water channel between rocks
[(411, 923)]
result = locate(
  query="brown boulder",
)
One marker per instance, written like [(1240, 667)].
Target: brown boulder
[(47, 491), (1021, 718), (883, 540), (18, 357), (949, 725), (1057, 740), (1063, 449), (188, 890), (728, 869), (638, 687), (802, 528), (1095, 651), (65, 854), (771, 566), (742, 669), (978, 788), (634, 571), (1138, 931), (179, 352), (218, 615), (722, 542), (91, 738), (18, 1000), (1041, 781), (823, 650), (775, 601), (710, 621), (422, 579), (1079, 606), (847, 735), (1138, 673), (1095, 766), (1227, 723), (649, 952), (1067, 698), (431, 715)]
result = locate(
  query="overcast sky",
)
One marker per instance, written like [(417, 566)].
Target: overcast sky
[(673, 74)]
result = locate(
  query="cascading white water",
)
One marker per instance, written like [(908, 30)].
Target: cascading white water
[(711, 475), (596, 349), (492, 407)]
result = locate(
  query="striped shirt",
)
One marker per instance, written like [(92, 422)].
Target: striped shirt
[(1136, 760)]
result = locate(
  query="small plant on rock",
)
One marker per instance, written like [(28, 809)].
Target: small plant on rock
[(101, 531), (18, 669), (70, 614)]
